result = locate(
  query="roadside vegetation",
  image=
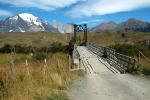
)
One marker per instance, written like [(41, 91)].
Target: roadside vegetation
[(131, 50), (35, 72), (36, 39), (126, 43), (38, 68), (35, 82)]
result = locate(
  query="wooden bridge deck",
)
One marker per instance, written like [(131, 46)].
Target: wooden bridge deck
[(92, 63)]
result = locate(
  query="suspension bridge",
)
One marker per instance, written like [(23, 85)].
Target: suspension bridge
[(89, 56), (107, 75)]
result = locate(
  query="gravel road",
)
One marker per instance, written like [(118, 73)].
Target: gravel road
[(104, 85)]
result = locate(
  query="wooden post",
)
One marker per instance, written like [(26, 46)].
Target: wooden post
[(75, 33), (139, 58), (11, 66), (85, 35), (134, 64), (11, 63), (27, 67), (70, 65), (45, 66)]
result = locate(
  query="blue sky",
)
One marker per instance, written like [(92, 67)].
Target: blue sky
[(92, 12)]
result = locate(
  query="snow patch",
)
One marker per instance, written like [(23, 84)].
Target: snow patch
[(10, 30), (21, 30), (30, 18), (14, 18)]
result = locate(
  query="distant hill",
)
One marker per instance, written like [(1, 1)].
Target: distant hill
[(37, 39), (131, 24), (25, 22), (104, 27)]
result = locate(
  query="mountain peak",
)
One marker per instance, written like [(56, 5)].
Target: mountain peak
[(30, 18), (13, 18), (25, 22), (111, 22), (132, 19), (104, 27), (130, 24), (135, 24), (27, 16)]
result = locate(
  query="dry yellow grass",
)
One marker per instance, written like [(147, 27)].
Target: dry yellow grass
[(37, 39), (36, 85), (111, 38)]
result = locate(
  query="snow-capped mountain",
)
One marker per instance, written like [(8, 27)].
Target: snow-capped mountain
[(25, 22)]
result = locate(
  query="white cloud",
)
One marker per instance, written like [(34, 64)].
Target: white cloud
[(102, 7), (5, 13), (91, 21), (41, 4)]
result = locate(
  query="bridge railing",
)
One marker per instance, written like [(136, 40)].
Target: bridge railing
[(75, 58), (119, 61), (75, 53)]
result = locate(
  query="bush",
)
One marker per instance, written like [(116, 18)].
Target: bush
[(131, 50), (40, 56), (6, 49), (18, 48), (146, 71), (126, 49)]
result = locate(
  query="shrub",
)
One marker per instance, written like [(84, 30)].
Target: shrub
[(126, 49), (6, 48), (146, 71), (39, 56), (18, 48), (123, 35)]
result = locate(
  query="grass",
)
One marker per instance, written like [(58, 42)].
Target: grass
[(20, 85), (35, 82), (144, 67), (55, 95), (36, 38), (112, 38), (52, 84)]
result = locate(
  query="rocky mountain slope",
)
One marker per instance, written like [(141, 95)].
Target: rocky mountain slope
[(131, 24), (104, 27), (25, 22)]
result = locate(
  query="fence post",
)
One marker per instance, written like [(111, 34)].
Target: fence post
[(70, 65), (139, 58), (11, 66), (27, 67), (45, 66)]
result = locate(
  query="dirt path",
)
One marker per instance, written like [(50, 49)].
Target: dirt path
[(104, 85), (110, 87)]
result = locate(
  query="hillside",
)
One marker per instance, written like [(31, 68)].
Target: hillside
[(118, 37), (130, 24), (104, 27), (32, 38)]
